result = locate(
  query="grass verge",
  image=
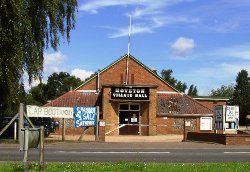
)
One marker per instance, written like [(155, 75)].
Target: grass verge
[(127, 166)]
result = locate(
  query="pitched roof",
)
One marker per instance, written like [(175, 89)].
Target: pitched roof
[(138, 62), (76, 98), (174, 104)]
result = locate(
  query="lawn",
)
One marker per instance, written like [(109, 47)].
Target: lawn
[(126, 166)]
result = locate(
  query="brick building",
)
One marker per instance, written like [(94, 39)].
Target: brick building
[(133, 100)]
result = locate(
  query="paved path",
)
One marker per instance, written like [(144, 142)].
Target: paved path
[(158, 138)]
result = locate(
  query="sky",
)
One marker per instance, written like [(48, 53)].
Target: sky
[(204, 42)]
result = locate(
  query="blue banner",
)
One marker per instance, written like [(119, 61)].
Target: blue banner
[(85, 116)]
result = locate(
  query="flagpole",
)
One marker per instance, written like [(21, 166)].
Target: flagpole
[(127, 60)]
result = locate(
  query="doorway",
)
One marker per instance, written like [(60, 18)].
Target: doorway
[(129, 119)]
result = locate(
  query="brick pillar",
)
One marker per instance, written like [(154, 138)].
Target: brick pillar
[(152, 113), (187, 127), (102, 130), (106, 107)]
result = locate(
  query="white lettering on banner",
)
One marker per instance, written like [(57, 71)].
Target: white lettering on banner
[(85, 116), (130, 90), (130, 93), (52, 112)]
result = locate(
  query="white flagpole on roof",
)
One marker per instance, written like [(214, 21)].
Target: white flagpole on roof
[(127, 60)]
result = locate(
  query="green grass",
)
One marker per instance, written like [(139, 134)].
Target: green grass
[(126, 166)]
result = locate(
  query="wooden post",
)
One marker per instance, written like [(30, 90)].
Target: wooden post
[(83, 133), (97, 124), (26, 147), (102, 130), (20, 121), (63, 130), (41, 162), (184, 129)]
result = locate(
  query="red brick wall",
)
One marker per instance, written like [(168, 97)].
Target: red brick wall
[(137, 76), (210, 104), (174, 125), (227, 139)]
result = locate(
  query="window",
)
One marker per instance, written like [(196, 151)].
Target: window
[(129, 107), (134, 107), (123, 107)]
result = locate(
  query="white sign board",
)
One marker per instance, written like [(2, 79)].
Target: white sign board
[(237, 112), (218, 111), (206, 123), (230, 113), (52, 112), (187, 124)]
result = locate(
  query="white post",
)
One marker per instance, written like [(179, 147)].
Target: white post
[(15, 130)]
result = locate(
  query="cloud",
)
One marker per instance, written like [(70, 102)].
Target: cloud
[(135, 29), (53, 58), (143, 7), (236, 51), (53, 63), (149, 15), (81, 73), (213, 76), (150, 25), (182, 46)]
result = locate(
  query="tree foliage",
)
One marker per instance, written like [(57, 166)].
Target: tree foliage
[(60, 83), (223, 91), (192, 91), (167, 76), (241, 95), (57, 85), (27, 28)]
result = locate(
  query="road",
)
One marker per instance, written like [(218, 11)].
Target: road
[(184, 152)]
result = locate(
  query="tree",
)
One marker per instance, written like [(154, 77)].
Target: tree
[(166, 75), (223, 91), (38, 95), (27, 28), (192, 91), (60, 83), (241, 94)]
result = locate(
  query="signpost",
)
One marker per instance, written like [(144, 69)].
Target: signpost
[(230, 113), (226, 119), (87, 117), (130, 93), (30, 138), (52, 112)]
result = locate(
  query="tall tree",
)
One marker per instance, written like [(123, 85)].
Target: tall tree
[(38, 95), (192, 91), (60, 83), (27, 28), (57, 85), (167, 76), (223, 91), (241, 95)]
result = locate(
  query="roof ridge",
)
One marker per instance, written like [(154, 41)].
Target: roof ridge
[(59, 97), (197, 101), (137, 61)]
